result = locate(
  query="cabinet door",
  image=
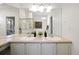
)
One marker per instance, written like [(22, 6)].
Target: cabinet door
[(17, 48), (33, 49), (63, 49), (48, 49)]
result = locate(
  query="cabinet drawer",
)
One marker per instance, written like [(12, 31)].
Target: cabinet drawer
[(33, 49), (63, 48), (48, 49)]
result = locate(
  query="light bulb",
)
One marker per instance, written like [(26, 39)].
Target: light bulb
[(41, 8), (49, 8), (34, 8), (43, 18)]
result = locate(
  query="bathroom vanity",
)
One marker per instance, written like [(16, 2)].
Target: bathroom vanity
[(40, 46)]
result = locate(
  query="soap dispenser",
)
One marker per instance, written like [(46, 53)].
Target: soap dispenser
[(35, 34), (45, 34)]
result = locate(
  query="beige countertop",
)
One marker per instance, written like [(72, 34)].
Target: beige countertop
[(42, 39), (3, 42), (21, 39)]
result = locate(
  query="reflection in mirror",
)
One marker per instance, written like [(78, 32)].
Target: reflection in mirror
[(38, 25), (10, 25), (25, 26)]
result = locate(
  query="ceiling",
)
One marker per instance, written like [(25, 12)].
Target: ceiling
[(26, 5), (29, 5), (20, 5)]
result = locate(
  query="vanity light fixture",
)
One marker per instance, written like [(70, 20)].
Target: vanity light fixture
[(40, 8), (43, 17)]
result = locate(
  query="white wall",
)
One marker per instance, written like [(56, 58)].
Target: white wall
[(70, 24), (57, 19), (66, 23), (7, 11), (56, 14)]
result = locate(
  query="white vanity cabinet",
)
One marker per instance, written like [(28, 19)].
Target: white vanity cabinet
[(17, 48), (32, 49), (48, 49), (41, 48), (63, 48)]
